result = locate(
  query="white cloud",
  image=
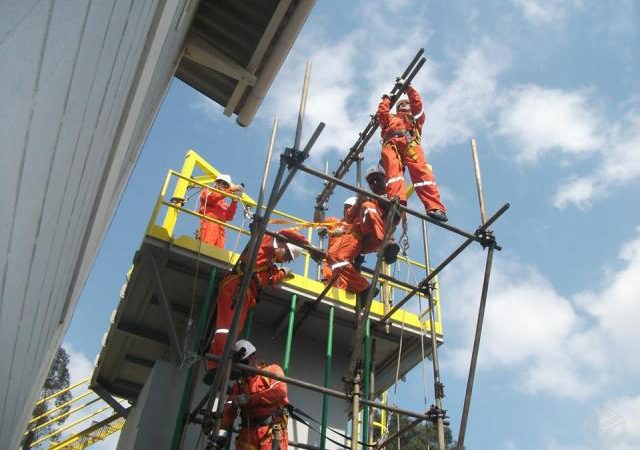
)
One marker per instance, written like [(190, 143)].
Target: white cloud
[(349, 76), (614, 425), (528, 326), (543, 121), (454, 109), (566, 347), (617, 310), (544, 12), (619, 165), (80, 366)]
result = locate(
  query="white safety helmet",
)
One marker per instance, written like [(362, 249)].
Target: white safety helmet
[(294, 250), (244, 349), (224, 177), (374, 169), (350, 201)]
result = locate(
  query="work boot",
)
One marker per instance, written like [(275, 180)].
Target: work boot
[(438, 215), (390, 252), (209, 377)]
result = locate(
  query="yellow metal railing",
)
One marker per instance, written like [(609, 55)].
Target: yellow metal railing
[(73, 439), (173, 201)]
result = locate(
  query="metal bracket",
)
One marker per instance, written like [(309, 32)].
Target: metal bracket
[(165, 304), (108, 398), (214, 59), (487, 239), (436, 413), (293, 157)]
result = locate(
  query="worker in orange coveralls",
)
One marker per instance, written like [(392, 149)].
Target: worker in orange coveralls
[(373, 215), (402, 147), (265, 273), (343, 250), (213, 204), (261, 402), (333, 228)]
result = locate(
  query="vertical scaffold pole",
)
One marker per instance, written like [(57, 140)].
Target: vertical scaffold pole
[(437, 384), (327, 379), (287, 346), (481, 309), (476, 166), (366, 381), (267, 163), (355, 412), (303, 105), (217, 397)]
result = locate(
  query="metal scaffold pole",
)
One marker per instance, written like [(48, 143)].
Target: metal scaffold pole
[(217, 397), (483, 302), (437, 384)]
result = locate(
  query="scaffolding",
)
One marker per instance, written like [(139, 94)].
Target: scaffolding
[(356, 379)]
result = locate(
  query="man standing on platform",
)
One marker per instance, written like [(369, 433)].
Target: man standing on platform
[(213, 204)]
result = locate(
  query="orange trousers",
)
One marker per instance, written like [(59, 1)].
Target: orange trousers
[(212, 233), (224, 313), (340, 257), (395, 156)]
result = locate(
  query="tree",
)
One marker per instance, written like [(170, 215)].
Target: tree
[(57, 379), (421, 437)]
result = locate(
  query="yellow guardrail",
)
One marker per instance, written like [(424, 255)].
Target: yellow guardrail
[(92, 408), (164, 227)]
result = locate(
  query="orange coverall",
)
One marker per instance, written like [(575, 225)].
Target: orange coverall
[(363, 234), (212, 204), (402, 147), (267, 397), (266, 273)]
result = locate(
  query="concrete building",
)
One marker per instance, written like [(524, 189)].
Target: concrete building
[(81, 82)]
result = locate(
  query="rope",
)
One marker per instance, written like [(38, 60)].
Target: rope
[(422, 336), (299, 415)]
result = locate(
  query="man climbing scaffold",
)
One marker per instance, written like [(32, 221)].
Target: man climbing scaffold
[(266, 273)]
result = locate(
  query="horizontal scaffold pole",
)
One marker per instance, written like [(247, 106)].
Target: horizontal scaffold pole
[(424, 283), (385, 200), (320, 389)]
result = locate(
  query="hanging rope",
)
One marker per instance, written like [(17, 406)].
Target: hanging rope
[(422, 338)]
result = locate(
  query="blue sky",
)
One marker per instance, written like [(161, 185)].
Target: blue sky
[(549, 89)]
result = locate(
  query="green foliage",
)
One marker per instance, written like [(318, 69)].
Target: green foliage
[(57, 379)]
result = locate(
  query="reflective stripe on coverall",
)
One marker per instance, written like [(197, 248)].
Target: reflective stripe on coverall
[(212, 204), (400, 150), (266, 273), (267, 397)]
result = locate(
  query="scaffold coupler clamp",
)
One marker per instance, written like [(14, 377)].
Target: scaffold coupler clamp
[(255, 223), (294, 157), (436, 413), (487, 239)]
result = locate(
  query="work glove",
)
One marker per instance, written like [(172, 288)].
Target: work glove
[(240, 400), (322, 231), (288, 274), (237, 189), (400, 81)]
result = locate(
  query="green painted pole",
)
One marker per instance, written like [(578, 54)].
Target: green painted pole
[(287, 347), (366, 382), (327, 380), (204, 313), (246, 334)]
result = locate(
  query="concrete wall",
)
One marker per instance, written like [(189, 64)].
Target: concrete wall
[(151, 422), (80, 83)]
